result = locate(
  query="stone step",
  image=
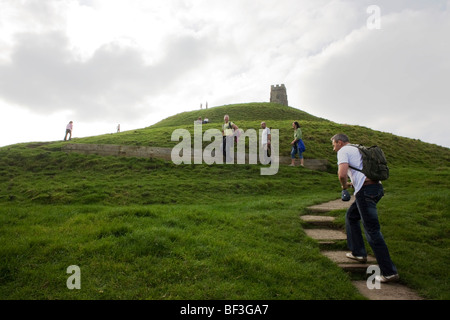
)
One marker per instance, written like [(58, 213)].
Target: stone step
[(325, 234), (355, 268), (331, 205), (340, 258), (318, 220), (387, 291)]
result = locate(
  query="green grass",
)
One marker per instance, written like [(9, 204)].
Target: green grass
[(416, 215), (180, 252), (192, 241), (148, 229)]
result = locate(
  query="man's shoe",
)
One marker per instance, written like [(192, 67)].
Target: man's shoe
[(359, 259), (385, 279)]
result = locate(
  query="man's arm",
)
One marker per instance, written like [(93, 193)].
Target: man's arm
[(342, 174)]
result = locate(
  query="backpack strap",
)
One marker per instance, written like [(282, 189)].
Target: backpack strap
[(229, 125), (355, 168)]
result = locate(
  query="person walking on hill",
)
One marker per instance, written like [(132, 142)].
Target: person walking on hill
[(69, 128), (363, 209), (265, 142), (295, 149), (228, 135)]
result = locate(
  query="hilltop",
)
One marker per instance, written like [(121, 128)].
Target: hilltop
[(239, 112)]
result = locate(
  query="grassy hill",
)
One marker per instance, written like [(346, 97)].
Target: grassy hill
[(148, 229), (316, 133)]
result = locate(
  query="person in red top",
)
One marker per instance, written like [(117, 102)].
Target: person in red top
[(69, 128)]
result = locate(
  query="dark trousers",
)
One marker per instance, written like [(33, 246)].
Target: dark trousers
[(364, 210), (228, 144), (68, 132)]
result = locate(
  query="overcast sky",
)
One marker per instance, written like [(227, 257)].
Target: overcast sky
[(380, 64)]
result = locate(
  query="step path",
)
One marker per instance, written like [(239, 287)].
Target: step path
[(326, 233)]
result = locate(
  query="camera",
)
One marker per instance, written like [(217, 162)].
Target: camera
[(345, 196)]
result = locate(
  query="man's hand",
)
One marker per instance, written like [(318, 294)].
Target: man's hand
[(347, 185)]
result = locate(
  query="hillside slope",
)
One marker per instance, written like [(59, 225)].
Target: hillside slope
[(317, 132), (148, 229)]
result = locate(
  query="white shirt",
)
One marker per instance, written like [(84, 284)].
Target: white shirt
[(228, 128), (349, 154), (265, 134)]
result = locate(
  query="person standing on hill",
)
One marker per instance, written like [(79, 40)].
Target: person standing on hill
[(69, 128), (265, 142), (295, 149), (363, 209), (228, 135)]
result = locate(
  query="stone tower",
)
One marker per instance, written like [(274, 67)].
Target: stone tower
[(278, 94)]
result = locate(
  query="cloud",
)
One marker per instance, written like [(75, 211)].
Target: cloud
[(116, 61), (227, 53), (391, 79), (45, 76)]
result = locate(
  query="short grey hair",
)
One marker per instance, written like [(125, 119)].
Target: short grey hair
[(340, 137)]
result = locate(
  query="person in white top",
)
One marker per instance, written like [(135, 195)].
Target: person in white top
[(363, 209), (69, 128), (265, 142), (228, 130)]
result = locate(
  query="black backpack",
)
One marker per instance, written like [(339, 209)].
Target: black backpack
[(374, 162)]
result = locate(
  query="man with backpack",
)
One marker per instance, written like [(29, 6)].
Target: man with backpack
[(367, 194)]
